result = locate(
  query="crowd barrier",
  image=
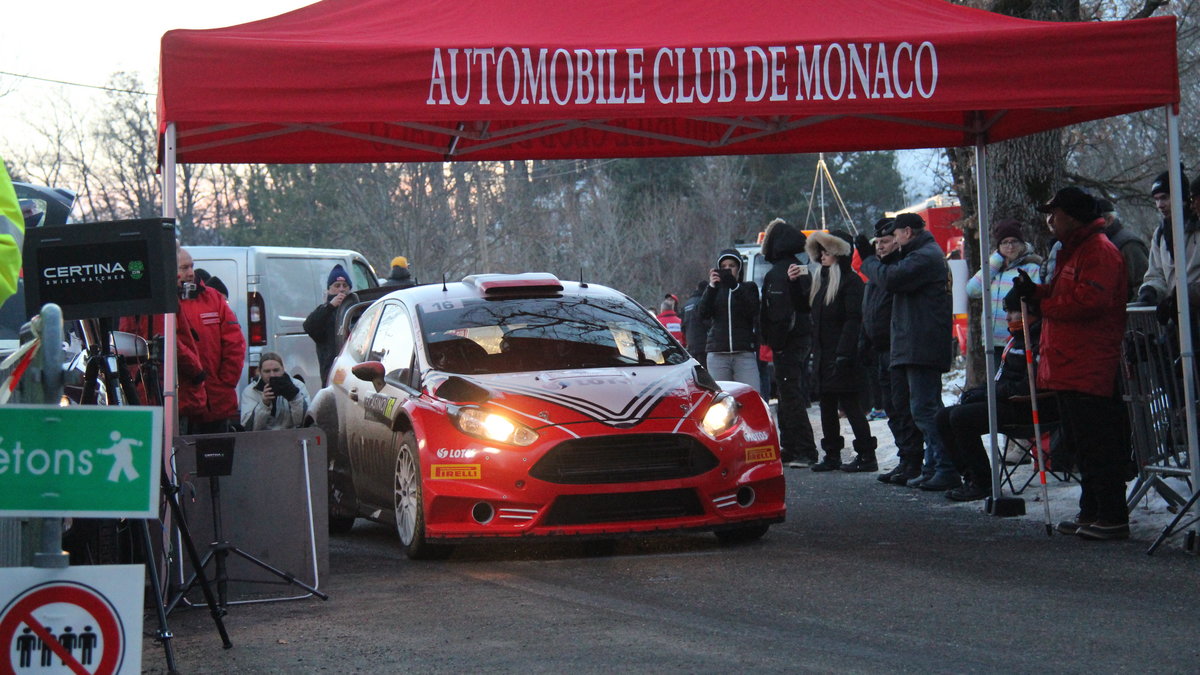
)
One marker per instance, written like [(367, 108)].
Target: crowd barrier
[(1152, 387)]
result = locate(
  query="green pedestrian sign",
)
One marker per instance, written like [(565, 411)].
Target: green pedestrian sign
[(80, 461)]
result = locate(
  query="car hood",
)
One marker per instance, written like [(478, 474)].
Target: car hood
[(618, 397)]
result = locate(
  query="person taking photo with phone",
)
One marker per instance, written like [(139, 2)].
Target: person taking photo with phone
[(732, 307), (274, 400)]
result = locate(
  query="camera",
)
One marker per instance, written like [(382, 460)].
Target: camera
[(728, 279)]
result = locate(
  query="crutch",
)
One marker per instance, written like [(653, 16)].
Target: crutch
[(1037, 423)]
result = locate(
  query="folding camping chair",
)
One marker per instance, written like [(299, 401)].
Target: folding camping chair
[(1021, 438)]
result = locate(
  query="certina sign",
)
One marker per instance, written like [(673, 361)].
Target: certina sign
[(94, 272), (682, 75)]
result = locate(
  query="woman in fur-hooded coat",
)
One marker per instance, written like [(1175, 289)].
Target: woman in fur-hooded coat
[(836, 302)]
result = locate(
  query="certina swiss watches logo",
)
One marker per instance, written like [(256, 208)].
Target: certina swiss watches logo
[(91, 272), (456, 472)]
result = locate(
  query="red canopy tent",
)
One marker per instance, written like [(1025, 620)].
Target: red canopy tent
[(388, 80), (382, 80)]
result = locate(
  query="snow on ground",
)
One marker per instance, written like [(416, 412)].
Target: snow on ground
[(1146, 521)]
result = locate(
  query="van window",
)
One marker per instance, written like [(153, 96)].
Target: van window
[(362, 276), (294, 287)]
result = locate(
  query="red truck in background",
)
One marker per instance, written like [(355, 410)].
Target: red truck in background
[(942, 214)]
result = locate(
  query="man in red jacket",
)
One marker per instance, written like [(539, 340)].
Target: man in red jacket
[(221, 347), (1083, 323)]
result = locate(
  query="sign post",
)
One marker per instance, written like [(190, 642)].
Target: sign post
[(84, 462), (77, 620)]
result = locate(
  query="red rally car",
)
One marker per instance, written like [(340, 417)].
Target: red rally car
[(522, 405)]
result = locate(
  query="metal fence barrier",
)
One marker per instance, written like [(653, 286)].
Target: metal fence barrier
[(1152, 387)]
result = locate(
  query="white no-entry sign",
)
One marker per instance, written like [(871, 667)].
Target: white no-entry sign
[(83, 620)]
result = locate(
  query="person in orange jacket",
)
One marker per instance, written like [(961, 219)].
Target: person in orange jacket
[(221, 347)]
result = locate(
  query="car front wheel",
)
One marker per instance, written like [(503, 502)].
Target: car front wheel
[(408, 503)]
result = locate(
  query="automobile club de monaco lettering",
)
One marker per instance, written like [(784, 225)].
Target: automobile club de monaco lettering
[(681, 75)]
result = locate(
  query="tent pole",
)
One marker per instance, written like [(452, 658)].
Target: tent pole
[(170, 404), (983, 217), (1179, 255)]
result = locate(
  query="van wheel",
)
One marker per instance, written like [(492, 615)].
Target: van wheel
[(408, 502)]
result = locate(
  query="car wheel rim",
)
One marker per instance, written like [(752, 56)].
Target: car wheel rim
[(407, 493)]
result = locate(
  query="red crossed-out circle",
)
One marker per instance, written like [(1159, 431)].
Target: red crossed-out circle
[(86, 598)]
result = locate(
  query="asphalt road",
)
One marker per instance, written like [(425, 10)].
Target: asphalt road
[(861, 578)]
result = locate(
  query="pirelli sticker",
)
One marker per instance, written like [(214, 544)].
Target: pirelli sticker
[(456, 472), (762, 453)]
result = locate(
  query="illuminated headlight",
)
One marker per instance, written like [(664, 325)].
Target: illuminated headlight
[(492, 427), (721, 416)]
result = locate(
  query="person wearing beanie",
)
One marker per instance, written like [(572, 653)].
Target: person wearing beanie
[(1083, 326), (1158, 284), (400, 276), (321, 323), (787, 329), (921, 330), (732, 306), (893, 384), (836, 304), (1011, 255)]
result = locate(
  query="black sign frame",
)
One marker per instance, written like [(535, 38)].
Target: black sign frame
[(103, 269)]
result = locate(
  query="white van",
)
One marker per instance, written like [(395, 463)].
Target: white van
[(272, 289)]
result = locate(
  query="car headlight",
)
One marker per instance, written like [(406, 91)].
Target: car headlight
[(721, 416), (492, 427)]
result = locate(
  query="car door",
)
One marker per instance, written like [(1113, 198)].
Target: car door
[(393, 346), (346, 390)]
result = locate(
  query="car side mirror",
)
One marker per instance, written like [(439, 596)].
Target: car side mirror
[(370, 371)]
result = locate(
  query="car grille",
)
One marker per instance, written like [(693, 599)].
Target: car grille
[(622, 507), (624, 459)]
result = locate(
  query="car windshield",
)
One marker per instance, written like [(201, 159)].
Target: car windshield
[(553, 333)]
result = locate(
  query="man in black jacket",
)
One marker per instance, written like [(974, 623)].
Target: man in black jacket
[(787, 328), (893, 385), (320, 323), (921, 324)]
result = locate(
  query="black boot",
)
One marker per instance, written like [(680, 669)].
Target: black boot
[(833, 454), (908, 470), (864, 459)]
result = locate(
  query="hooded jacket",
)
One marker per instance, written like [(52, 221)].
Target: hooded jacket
[(400, 278), (733, 312), (1003, 275), (1083, 315), (222, 350), (836, 323), (921, 317), (784, 314)]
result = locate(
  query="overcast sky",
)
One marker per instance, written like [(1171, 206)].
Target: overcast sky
[(86, 42)]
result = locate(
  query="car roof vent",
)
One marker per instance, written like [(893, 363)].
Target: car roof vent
[(530, 283)]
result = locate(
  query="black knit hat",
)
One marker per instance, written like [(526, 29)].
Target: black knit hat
[(1162, 182)]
